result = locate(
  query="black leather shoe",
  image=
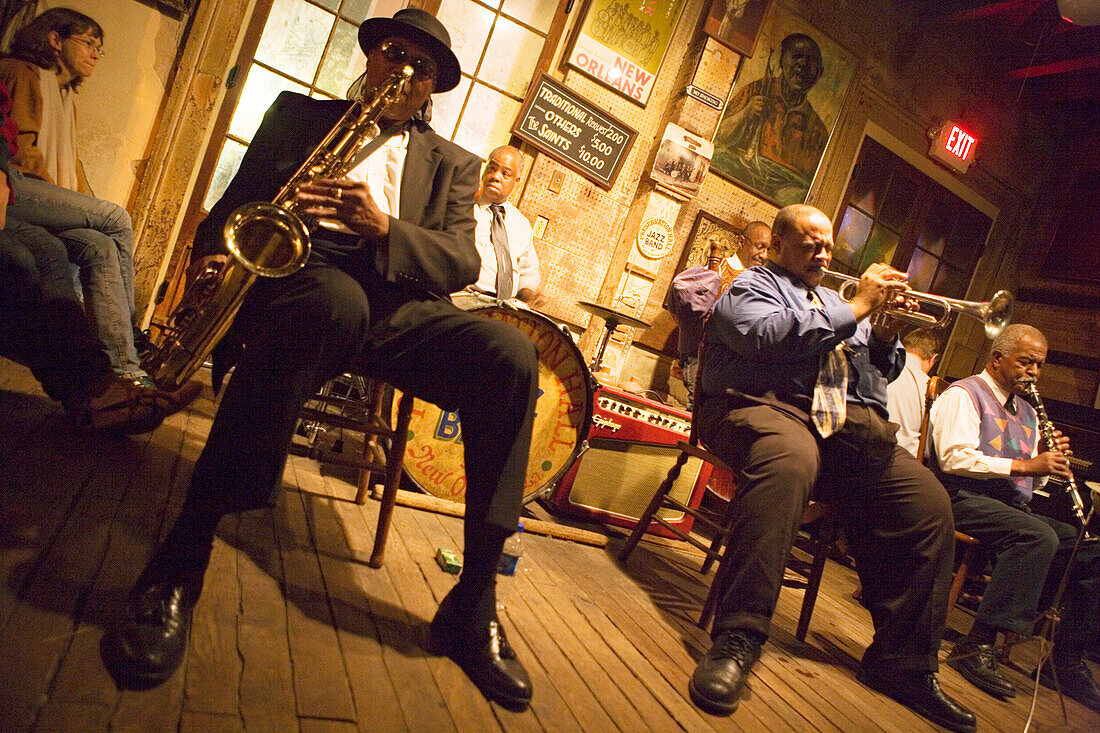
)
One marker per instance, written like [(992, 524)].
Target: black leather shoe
[(484, 655), (921, 693), (978, 666), (147, 644), (717, 681), (1076, 681)]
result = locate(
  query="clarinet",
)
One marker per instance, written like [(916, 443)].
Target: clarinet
[(1046, 429)]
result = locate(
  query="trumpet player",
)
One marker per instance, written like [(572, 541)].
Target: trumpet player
[(396, 236), (792, 392), (986, 446)]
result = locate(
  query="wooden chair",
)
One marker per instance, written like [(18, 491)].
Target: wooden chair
[(816, 517), (356, 403)]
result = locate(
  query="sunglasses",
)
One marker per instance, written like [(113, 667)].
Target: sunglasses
[(395, 53)]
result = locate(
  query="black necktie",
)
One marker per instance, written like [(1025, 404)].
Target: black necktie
[(499, 237), (1010, 404)]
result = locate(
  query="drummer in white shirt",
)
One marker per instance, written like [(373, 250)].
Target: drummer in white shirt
[(509, 264)]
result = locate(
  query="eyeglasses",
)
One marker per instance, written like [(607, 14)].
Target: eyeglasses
[(93, 46), (395, 53)]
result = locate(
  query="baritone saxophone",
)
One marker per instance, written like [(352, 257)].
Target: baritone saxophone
[(265, 239)]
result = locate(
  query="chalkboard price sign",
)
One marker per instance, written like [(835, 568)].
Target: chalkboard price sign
[(572, 131)]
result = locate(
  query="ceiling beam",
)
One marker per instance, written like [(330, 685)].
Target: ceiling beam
[(987, 10), (1057, 67)]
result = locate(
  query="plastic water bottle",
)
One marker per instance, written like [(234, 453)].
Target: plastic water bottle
[(508, 565)]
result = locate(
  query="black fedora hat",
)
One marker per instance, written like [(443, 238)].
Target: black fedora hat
[(423, 28)]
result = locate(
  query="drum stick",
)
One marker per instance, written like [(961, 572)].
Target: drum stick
[(534, 526)]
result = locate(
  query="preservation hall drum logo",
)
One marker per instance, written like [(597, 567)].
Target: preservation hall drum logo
[(655, 238)]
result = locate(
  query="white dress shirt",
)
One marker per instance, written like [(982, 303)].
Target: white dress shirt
[(955, 429), (521, 248), (381, 171), (905, 402)]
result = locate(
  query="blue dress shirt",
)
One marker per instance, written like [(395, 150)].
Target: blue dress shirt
[(766, 336)]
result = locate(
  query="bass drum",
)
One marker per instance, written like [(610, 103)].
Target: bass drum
[(434, 459)]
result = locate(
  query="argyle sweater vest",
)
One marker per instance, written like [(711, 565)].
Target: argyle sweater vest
[(1000, 434)]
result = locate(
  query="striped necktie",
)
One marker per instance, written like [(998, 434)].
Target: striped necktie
[(498, 235)]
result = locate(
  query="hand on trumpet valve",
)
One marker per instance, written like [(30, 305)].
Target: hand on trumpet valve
[(347, 201), (878, 284)]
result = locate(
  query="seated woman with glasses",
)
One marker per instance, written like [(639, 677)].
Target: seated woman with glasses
[(48, 60)]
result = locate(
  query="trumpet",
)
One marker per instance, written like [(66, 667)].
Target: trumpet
[(994, 314)]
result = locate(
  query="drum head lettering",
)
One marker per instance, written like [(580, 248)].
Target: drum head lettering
[(434, 457)]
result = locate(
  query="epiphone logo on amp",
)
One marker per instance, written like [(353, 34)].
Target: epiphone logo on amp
[(603, 422)]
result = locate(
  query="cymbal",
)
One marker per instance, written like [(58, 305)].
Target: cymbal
[(613, 317)]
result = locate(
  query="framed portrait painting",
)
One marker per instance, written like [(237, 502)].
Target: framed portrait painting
[(782, 109), (736, 23)]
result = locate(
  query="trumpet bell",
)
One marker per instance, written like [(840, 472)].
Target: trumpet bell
[(998, 313)]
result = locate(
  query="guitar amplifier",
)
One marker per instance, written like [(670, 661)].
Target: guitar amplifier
[(631, 447)]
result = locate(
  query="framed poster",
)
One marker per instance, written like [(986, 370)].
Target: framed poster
[(681, 161), (622, 43), (736, 23), (782, 109)]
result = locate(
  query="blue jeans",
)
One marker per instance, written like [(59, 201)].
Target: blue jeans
[(100, 241)]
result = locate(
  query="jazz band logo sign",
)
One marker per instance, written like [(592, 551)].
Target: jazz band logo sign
[(622, 43)]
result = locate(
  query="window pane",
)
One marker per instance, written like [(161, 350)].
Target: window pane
[(487, 120), (511, 57), (259, 92), (357, 10), (869, 178), (344, 62), (901, 199), (445, 108), (922, 268), (332, 5), (880, 247), (951, 283), (469, 26), (967, 240), (228, 162), (294, 38), (535, 13), (851, 236)]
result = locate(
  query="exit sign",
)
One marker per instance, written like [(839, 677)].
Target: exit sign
[(954, 147)]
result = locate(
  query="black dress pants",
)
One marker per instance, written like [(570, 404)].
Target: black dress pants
[(1031, 552), (304, 329), (896, 515)]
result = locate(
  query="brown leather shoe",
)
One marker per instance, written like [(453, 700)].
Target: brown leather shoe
[(127, 408)]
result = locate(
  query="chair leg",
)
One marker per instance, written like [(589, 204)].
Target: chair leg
[(825, 537), (654, 504), (719, 538), (960, 577), (394, 470)]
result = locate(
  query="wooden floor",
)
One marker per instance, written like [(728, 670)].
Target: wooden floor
[(295, 632)]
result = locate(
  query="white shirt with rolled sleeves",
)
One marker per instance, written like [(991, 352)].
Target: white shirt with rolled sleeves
[(905, 402), (955, 426), (521, 248)]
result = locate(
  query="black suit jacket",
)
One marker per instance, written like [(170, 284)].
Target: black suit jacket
[(430, 249)]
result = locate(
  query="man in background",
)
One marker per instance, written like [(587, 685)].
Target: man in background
[(905, 395), (509, 263)]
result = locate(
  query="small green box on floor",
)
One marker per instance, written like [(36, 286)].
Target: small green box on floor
[(449, 561)]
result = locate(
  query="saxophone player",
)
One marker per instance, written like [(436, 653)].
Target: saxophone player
[(396, 236), (986, 443)]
